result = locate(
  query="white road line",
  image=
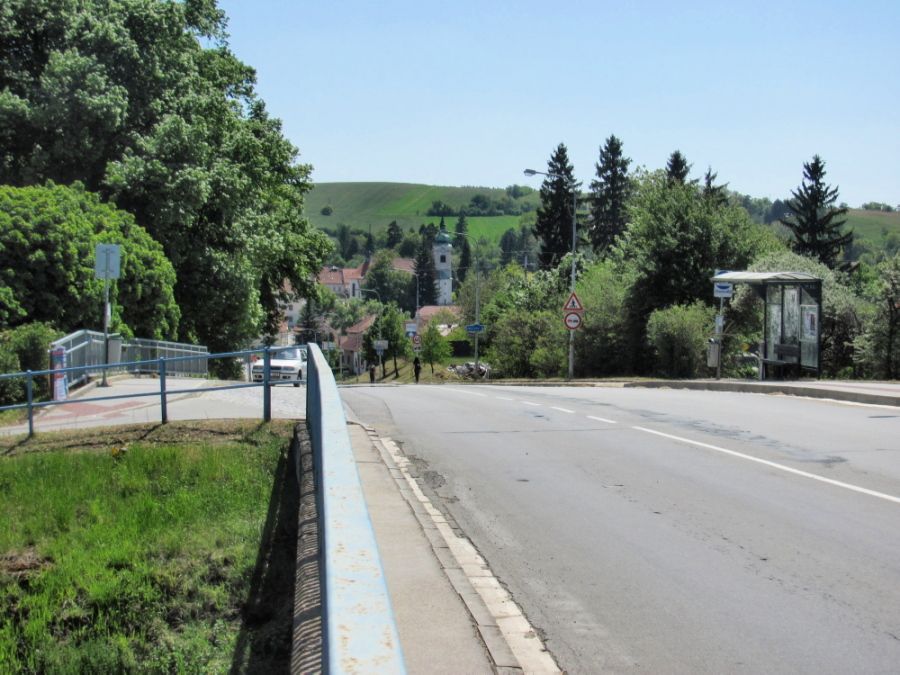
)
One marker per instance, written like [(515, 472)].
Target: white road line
[(565, 410), (601, 419), (504, 398), (530, 403), (470, 393), (782, 467)]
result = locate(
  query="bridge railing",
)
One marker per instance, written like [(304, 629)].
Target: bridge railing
[(358, 621)]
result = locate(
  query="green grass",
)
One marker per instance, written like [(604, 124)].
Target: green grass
[(142, 560), (360, 205), (870, 225)]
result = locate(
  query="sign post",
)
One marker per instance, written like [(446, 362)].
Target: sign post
[(721, 291), (107, 258)]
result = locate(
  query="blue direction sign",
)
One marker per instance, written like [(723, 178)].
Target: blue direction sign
[(475, 328)]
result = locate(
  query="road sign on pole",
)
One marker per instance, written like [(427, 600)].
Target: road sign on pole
[(475, 328), (417, 341), (573, 320), (573, 304)]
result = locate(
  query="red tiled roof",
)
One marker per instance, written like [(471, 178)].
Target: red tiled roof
[(427, 312), (333, 276), (404, 265), (362, 326)]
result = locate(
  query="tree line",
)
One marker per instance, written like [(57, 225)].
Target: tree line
[(134, 123)]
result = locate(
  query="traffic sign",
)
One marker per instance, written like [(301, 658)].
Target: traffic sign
[(573, 304), (417, 340), (107, 259), (573, 320), (475, 328), (380, 345), (723, 290)]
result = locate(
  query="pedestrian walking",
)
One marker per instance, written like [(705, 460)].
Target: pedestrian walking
[(417, 368)]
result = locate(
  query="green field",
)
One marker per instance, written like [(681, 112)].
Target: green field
[(873, 225), (141, 549), (361, 205)]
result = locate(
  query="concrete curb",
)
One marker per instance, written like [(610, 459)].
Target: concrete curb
[(785, 388)]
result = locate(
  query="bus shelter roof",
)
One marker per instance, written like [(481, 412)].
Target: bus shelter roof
[(762, 278)]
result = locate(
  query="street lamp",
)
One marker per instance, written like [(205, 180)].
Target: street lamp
[(532, 172), (477, 287)]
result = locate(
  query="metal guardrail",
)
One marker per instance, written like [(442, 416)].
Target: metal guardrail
[(360, 633), (87, 349), (161, 367)]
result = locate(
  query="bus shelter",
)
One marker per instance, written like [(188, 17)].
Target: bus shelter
[(792, 337)]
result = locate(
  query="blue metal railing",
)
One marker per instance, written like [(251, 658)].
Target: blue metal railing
[(160, 367), (358, 621)]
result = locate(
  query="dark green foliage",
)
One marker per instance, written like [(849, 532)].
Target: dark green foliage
[(390, 285), (124, 97), (814, 221), (394, 234), (677, 168), (715, 193), (508, 243), (553, 227), (878, 348), (678, 335), (47, 239), (426, 274), (326, 211), (465, 261), (609, 195), (26, 348), (435, 347)]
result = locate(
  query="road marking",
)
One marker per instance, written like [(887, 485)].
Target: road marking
[(565, 410), (601, 419), (530, 403), (470, 393), (774, 465), (505, 398)]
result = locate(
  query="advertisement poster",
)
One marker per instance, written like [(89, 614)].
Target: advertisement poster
[(60, 383), (809, 319)]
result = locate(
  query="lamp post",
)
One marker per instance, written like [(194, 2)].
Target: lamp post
[(532, 172), (380, 311), (477, 293)]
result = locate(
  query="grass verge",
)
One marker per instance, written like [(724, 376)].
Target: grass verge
[(154, 548)]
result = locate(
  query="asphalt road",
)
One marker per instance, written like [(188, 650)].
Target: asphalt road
[(671, 531)]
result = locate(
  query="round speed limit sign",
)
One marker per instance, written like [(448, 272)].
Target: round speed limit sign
[(573, 320)]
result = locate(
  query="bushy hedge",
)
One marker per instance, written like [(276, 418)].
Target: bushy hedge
[(25, 348), (679, 336)]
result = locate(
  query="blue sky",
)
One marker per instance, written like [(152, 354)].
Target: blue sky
[(472, 93)]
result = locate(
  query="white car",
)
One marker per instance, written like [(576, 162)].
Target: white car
[(286, 365)]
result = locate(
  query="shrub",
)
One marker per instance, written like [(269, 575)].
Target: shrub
[(678, 335), (28, 345)]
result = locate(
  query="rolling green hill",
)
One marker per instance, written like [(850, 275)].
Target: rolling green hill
[(361, 205)]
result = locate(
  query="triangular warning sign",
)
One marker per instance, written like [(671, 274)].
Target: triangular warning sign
[(573, 304)]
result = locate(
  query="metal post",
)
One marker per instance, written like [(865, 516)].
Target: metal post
[(720, 330), (267, 392), (574, 228), (477, 314), (103, 382), (162, 390), (29, 387)]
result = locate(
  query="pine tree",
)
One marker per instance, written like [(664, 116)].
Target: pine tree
[(677, 168), (713, 193), (553, 227), (461, 229), (426, 274), (609, 195), (394, 234), (465, 260), (508, 243), (814, 221)]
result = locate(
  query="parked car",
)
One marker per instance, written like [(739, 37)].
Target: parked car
[(288, 364)]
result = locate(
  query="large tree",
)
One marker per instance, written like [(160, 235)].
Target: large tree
[(426, 274), (142, 101), (677, 168), (553, 226), (48, 236), (814, 220), (609, 195)]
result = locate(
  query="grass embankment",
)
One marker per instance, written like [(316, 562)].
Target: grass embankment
[(147, 548)]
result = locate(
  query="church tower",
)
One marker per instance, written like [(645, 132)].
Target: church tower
[(442, 251)]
